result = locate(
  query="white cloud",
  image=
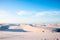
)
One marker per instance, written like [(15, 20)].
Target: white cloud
[(43, 13), (25, 13), (22, 13), (37, 14), (40, 14), (54, 12), (6, 17)]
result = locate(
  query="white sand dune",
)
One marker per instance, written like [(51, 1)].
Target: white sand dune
[(30, 28), (33, 34), (34, 29), (14, 27)]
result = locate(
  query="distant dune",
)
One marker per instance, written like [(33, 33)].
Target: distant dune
[(29, 28), (34, 29), (29, 32)]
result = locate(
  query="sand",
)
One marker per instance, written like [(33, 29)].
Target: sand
[(32, 33), (29, 36), (34, 29)]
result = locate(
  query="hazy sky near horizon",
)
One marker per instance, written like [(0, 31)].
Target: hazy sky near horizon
[(29, 11)]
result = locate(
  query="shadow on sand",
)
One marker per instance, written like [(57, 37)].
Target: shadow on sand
[(5, 28), (57, 30)]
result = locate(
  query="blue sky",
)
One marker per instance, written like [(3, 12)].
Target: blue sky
[(29, 11)]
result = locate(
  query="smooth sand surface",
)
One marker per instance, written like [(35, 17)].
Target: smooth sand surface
[(29, 36)]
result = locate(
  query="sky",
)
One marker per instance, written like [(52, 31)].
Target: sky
[(30, 11)]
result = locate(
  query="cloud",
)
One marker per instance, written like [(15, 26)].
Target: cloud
[(22, 13), (25, 13), (43, 13), (5, 16), (38, 14), (54, 13)]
